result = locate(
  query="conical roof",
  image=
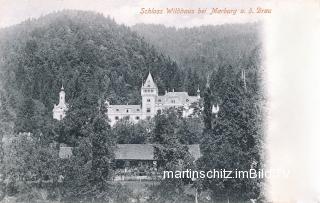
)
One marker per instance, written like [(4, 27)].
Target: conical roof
[(149, 83)]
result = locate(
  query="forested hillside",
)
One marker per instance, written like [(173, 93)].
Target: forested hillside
[(204, 48), (84, 51)]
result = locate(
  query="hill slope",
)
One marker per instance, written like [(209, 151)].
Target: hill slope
[(84, 51), (203, 48)]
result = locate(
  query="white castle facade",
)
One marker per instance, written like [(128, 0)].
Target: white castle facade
[(152, 103)]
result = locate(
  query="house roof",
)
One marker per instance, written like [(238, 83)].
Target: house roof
[(135, 152), (146, 151)]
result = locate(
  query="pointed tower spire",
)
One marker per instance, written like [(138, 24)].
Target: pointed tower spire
[(149, 82), (149, 86), (62, 89), (149, 94)]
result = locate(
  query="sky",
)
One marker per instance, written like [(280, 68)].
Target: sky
[(127, 11)]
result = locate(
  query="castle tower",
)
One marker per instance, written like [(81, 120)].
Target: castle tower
[(62, 97), (149, 93), (59, 111)]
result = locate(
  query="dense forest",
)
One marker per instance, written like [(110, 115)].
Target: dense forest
[(96, 59), (204, 48), (38, 56)]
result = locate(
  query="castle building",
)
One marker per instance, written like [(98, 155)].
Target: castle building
[(59, 111), (152, 103)]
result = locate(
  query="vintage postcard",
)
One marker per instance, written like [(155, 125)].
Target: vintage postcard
[(159, 101)]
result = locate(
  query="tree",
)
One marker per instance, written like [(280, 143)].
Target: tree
[(28, 162), (207, 114), (102, 150), (189, 130), (235, 139), (172, 155), (191, 81), (130, 133)]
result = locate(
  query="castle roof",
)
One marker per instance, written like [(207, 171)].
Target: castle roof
[(149, 83), (122, 109), (179, 97), (177, 94)]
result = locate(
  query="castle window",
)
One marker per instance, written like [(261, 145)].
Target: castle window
[(137, 118), (151, 90), (148, 85), (173, 101), (148, 100), (138, 109), (145, 90), (187, 100), (127, 110), (117, 118), (148, 110), (159, 100), (117, 109)]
